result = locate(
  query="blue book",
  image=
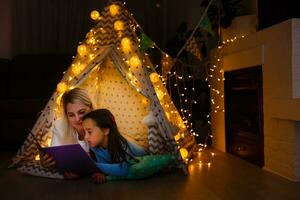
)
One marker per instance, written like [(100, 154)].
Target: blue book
[(72, 158)]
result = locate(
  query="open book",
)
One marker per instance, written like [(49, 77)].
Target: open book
[(72, 158), (69, 158)]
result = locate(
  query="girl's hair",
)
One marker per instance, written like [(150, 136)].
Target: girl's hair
[(117, 144)]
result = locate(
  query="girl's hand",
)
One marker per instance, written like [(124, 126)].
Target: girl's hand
[(98, 178), (70, 175), (46, 160)]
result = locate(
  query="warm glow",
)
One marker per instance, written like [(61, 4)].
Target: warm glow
[(168, 115), (177, 137), (154, 77), (82, 50), (61, 87), (145, 101), (58, 99), (181, 125), (160, 94), (91, 40), (184, 153), (95, 15), (135, 62), (126, 45), (48, 142), (77, 68), (91, 56), (37, 157), (114, 10), (119, 25), (166, 62)]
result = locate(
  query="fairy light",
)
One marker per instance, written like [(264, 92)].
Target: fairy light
[(126, 45), (119, 25), (82, 50), (218, 76), (114, 10), (95, 15), (61, 87)]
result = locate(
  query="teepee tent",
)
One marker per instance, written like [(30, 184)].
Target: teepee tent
[(119, 76)]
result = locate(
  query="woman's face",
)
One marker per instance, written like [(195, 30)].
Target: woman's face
[(75, 112), (95, 136)]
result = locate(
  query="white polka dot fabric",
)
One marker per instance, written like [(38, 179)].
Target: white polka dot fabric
[(111, 91)]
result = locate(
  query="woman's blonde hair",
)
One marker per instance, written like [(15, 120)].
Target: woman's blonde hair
[(76, 95)]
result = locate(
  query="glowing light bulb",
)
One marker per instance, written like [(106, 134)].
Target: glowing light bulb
[(154, 77), (184, 153), (82, 50), (77, 68), (114, 10), (61, 87), (126, 45), (91, 40), (119, 25), (177, 137), (135, 62), (95, 15)]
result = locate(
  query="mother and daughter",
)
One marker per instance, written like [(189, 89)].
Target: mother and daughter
[(97, 132)]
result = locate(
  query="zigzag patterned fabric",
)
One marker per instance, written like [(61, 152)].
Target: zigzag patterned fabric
[(157, 144), (35, 169), (106, 35)]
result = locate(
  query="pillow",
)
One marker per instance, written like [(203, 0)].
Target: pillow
[(147, 166)]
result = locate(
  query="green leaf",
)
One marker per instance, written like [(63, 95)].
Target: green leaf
[(206, 25), (146, 42)]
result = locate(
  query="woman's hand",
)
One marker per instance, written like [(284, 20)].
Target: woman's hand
[(46, 160), (70, 175), (98, 178)]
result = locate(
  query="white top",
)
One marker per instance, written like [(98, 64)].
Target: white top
[(60, 135)]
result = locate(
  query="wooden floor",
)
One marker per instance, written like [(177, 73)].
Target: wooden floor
[(226, 178)]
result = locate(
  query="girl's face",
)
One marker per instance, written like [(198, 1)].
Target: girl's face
[(95, 136), (75, 112)]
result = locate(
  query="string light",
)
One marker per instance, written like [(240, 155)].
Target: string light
[(218, 75), (95, 15), (114, 10)]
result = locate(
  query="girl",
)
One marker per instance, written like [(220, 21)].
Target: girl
[(113, 152)]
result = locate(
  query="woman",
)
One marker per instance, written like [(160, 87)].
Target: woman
[(69, 130)]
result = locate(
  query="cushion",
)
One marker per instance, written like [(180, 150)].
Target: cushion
[(147, 166)]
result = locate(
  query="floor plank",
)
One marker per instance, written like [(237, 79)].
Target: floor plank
[(226, 178)]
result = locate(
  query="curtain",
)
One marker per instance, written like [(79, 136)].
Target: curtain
[(57, 26), (50, 26)]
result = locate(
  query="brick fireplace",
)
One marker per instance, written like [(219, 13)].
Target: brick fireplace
[(277, 51)]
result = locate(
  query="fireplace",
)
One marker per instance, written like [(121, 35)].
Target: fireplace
[(244, 114)]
